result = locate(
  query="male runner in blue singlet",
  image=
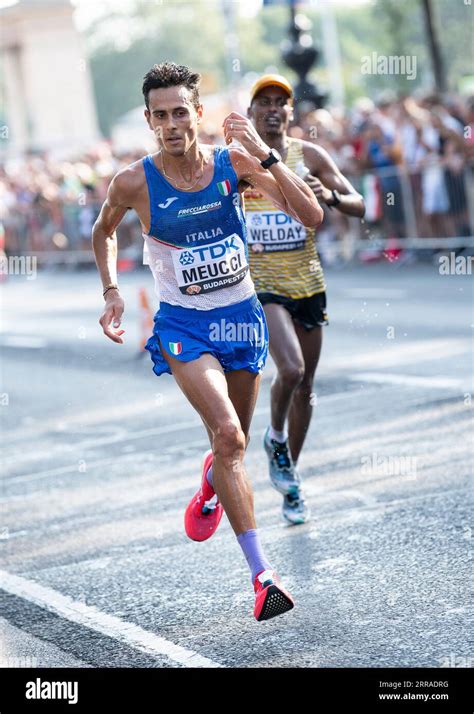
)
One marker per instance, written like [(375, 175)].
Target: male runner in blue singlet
[(210, 331)]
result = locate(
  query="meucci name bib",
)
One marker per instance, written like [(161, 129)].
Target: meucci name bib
[(211, 267)]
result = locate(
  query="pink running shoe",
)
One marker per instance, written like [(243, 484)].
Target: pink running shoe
[(271, 598), (204, 512)]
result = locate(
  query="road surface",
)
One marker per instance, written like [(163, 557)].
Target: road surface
[(100, 459)]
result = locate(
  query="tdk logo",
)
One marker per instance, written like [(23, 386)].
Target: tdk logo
[(269, 218), (186, 258), (209, 252)]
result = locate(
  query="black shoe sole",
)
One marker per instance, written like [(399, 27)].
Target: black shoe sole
[(276, 603)]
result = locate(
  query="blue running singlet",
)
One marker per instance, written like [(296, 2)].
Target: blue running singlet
[(197, 244), (197, 252)]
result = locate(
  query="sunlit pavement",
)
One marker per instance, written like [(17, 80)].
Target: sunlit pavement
[(100, 459)]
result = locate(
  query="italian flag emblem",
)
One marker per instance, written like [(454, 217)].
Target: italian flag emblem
[(175, 348), (224, 187)]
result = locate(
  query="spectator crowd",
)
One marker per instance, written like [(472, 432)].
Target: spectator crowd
[(412, 158)]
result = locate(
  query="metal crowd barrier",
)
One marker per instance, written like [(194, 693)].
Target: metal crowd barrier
[(398, 220)]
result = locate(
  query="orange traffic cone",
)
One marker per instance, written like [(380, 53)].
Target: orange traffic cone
[(146, 318)]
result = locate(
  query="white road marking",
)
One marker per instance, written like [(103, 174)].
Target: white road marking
[(398, 353), (16, 534), (103, 415), (104, 441), (391, 355), (404, 423), (34, 343), (375, 293), (410, 380), (366, 498), (178, 448), (308, 456), (32, 455), (335, 565), (93, 618), (329, 519)]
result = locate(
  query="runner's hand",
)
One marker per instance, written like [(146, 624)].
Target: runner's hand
[(113, 311), (238, 127), (321, 192)]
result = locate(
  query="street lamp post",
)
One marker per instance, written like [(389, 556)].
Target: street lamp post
[(300, 53)]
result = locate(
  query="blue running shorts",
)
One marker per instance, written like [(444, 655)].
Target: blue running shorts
[(236, 335)]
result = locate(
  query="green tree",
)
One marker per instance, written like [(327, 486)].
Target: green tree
[(123, 46)]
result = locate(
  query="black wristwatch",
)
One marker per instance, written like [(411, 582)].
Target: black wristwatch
[(273, 158), (337, 198)]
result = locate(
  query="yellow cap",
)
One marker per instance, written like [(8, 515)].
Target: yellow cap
[(271, 80)]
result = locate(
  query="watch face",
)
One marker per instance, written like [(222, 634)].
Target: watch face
[(276, 154)]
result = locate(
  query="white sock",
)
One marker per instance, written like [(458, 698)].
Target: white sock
[(280, 436)]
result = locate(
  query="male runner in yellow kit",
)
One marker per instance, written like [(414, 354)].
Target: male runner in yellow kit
[(289, 281)]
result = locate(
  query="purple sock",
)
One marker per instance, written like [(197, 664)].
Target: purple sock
[(250, 544), (209, 478)]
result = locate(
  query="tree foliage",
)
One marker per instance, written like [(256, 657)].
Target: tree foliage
[(123, 47)]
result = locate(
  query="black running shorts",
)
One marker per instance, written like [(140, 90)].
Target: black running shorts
[(309, 312)]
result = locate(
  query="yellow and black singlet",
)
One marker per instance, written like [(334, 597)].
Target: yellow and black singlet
[(282, 252)]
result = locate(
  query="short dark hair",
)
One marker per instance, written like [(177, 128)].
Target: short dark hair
[(169, 74)]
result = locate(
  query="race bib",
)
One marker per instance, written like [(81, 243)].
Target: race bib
[(274, 230), (205, 268)]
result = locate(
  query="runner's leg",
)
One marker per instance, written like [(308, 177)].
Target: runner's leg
[(301, 408), (237, 384), (243, 389), (207, 389), (204, 384), (286, 351), (238, 393), (209, 432), (241, 384), (209, 436)]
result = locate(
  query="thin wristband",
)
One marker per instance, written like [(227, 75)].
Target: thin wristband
[(109, 287), (335, 199)]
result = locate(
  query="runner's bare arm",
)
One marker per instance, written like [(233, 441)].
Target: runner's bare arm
[(104, 243), (325, 177), (278, 183), (104, 239)]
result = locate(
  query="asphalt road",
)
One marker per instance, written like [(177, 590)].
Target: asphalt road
[(100, 459)]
